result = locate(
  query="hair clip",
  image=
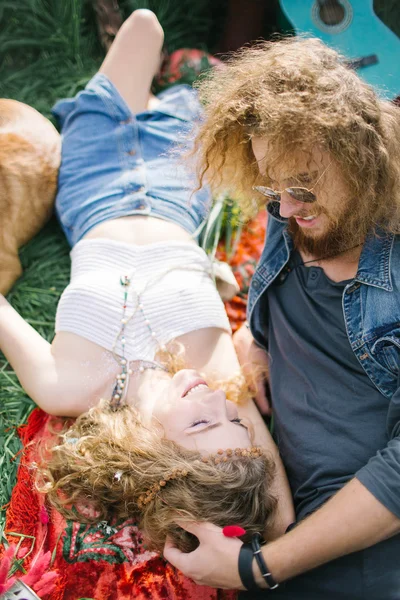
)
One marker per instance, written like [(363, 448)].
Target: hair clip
[(229, 453), (117, 475), (153, 490)]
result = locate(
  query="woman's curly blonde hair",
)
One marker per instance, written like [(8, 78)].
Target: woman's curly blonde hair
[(298, 94), (110, 460)]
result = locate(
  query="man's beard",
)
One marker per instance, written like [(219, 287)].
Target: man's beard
[(344, 233)]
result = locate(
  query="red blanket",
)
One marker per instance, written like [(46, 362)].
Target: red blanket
[(108, 561)]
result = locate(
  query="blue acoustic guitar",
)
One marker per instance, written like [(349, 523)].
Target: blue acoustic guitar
[(353, 29)]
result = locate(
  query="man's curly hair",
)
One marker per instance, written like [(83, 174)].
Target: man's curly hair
[(298, 94)]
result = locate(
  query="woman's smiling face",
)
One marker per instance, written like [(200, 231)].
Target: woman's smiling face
[(193, 415)]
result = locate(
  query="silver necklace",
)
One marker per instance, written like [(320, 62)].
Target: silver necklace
[(120, 389)]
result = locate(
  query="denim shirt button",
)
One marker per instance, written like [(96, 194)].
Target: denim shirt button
[(140, 205), (281, 277), (353, 287), (256, 284)]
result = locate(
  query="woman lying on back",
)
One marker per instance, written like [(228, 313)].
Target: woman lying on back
[(141, 324)]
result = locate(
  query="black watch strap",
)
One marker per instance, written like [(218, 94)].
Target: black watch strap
[(246, 567)]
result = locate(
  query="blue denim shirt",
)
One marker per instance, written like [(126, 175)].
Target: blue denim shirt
[(371, 310), (371, 301)]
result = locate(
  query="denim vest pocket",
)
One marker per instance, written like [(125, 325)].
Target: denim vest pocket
[(386, 349), (377, 370)]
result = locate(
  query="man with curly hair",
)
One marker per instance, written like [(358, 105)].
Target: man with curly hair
[(289, 125)]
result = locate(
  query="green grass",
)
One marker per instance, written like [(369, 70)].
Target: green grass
[(48, 50), (46, 270)]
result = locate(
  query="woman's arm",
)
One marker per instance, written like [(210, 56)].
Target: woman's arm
[(45, 379)]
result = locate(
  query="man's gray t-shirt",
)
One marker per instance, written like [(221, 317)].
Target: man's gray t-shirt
[(329, 417)]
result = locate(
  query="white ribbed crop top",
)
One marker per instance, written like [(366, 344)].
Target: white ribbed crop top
[(179, 294)]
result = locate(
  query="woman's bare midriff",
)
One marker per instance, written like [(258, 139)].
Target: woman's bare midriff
[(140, 230)]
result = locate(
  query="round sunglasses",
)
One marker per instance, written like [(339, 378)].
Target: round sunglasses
[(298, 193)]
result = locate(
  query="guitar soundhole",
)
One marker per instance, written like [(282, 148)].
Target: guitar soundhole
[(332, 13), (332, 16)]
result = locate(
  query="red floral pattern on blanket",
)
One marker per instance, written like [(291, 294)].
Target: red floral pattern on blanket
[(109, 561), (183, 66), (112, 541)]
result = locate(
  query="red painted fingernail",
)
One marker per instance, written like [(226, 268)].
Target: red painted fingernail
[(233, 531)]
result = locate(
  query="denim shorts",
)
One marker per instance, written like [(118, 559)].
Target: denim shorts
[(116, 163)]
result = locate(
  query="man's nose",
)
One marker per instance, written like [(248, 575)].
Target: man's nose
[(288, 206)]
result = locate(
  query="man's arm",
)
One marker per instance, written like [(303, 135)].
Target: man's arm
[(363, 513), (284, 514), (351, 520), (254, 363)]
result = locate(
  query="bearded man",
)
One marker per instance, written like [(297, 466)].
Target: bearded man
[(290, 125)]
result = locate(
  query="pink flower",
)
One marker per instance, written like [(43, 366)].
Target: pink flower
[(44, 515)]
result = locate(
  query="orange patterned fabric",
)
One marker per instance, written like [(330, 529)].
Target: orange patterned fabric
[(243, 264), (108, 561)]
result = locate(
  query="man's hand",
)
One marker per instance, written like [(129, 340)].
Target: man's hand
[(254, 363), (213, 563)]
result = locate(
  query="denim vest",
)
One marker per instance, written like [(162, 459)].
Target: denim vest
[(371, 301)]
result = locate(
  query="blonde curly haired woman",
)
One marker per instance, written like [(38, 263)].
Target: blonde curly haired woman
[(164, 442)]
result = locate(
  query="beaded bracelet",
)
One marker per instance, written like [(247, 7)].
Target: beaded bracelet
[(262, 565)]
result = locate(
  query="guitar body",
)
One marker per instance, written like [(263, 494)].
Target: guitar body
[(353, 29)]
